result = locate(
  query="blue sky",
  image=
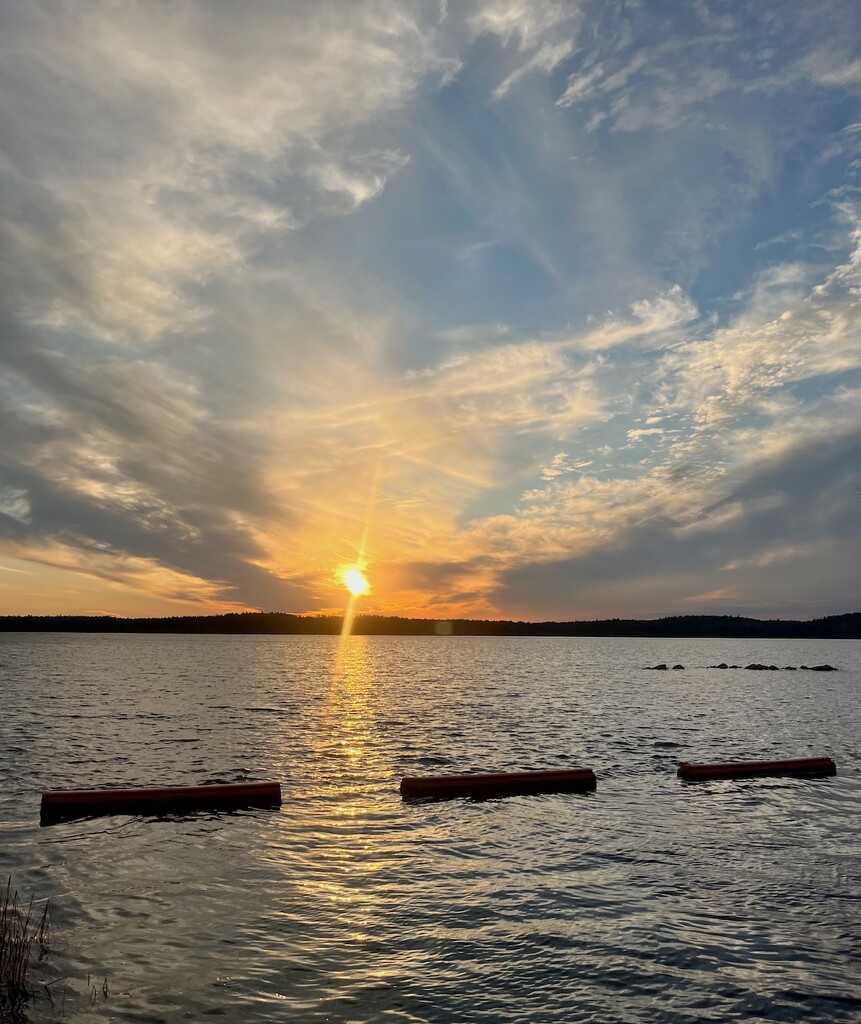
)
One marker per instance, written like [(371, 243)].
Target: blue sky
[(535, 310)]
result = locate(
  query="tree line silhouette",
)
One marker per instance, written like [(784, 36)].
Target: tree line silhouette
[(831, 627)]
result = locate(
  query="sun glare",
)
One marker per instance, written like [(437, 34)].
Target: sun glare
[(355, 582)]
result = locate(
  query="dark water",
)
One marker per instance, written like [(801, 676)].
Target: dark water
[(649, 900)]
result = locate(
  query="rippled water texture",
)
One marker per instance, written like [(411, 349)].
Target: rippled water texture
[(649, 900)]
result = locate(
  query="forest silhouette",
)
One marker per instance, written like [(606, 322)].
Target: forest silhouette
[(831, 627)]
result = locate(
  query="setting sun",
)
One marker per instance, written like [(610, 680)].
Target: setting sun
[(355, 582)]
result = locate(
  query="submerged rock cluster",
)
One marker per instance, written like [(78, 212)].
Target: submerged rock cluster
[(754, 667), (757, 667)]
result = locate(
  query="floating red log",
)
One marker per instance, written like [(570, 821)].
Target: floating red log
[(809, 766), (60, 804), (572, 780)]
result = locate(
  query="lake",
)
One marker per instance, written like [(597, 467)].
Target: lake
[(649, 900)]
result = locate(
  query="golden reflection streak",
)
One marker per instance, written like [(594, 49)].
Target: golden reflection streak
[(347, 874)]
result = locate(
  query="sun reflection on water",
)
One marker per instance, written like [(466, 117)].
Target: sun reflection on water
[(349, 707), (353, 851)]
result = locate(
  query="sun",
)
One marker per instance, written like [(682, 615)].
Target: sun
[(355, 582)]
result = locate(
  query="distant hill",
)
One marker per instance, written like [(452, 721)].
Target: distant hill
[(832, 627)]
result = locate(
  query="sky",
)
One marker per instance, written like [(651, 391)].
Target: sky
[(528, 309)]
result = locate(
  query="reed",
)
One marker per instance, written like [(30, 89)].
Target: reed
[(25, 935)]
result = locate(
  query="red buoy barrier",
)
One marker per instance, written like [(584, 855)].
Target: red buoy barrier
[(63, 804), (809, 766), (572, 780)]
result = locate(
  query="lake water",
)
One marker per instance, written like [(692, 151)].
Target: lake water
[(648, 900)]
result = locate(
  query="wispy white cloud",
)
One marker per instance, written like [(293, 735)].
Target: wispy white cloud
[(168, 144), (559, 464), (545, 59)]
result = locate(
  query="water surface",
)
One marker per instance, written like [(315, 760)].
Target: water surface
[(649, 900)]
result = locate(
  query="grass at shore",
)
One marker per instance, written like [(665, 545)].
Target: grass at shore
[(25, 935)]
